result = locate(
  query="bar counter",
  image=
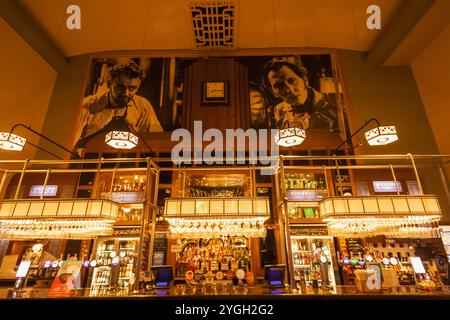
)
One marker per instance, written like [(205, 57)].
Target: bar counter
[(182, 292)]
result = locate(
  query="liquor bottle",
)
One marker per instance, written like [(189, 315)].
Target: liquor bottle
[(321, 184)]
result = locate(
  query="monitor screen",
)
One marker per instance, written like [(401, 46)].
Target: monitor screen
[(274, 275), (162, 284), (163, 277)]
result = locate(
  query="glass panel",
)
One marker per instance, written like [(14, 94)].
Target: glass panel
[(245, 206), (371, 205), (216, 206), (231, 207), (65, 208), (21, 209), (416, 205), (94, 208), (385, 205), (7, 209), (106, 209), (80, 208), (50, 209), (400, 205), (201, 206), (261, 206), (355, 205), (329, 207), (173, 207), (340, 206), (431, 205), (36, 209), (187, 207)]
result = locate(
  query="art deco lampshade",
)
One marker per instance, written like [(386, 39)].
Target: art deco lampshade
[(119, 135), (381, 135), (290, 137), (9, 141)]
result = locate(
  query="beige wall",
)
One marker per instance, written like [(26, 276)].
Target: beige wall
[(431, 70), (63, 108), (26, 85), (390, 95)]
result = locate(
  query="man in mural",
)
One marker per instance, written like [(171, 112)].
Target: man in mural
[(301, 105), (121, 100)]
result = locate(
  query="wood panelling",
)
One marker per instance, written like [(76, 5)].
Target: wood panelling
[(221, 116)]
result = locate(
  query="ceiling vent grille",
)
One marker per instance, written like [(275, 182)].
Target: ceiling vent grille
[(213, 23)]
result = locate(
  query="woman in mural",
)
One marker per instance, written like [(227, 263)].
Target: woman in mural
[(301, 105)]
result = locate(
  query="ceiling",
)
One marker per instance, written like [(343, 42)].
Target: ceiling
[(111, 25)]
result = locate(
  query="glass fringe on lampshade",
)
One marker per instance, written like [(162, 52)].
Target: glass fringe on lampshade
[(54, 229)]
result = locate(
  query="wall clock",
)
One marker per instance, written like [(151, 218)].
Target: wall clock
[(215, 93)]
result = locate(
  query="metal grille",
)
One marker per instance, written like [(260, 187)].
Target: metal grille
[(213, 23)]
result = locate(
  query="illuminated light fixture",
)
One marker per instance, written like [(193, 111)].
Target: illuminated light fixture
[(200, 217), (9, 141), (121, 140), (119, 134), (393, 216), (56, 219), (380, 136), (290, 137)]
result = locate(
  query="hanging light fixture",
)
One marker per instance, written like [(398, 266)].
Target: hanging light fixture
[(119, 135), (206, 217), (395, 216), (47, 219), (381, 135), (290, 137), (9, 141), (378, 136)]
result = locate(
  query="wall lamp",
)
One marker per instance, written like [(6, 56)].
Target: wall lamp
[(378, 136), (290, 136), (13, 142), (118, 134)]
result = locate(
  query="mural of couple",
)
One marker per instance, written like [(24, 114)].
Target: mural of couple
[(284, 91)]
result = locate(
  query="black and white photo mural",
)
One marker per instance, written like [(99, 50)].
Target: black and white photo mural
[(145, 92), (284, 91), (296, 90)]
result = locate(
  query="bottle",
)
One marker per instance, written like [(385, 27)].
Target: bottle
[(321, 184)]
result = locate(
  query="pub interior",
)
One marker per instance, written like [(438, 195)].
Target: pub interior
[(221, 165)]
